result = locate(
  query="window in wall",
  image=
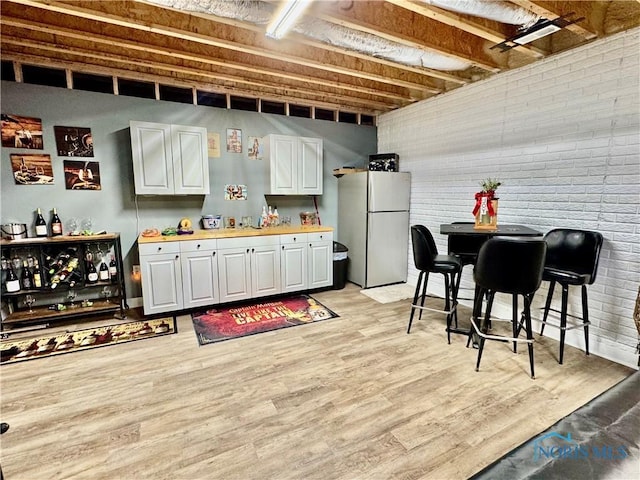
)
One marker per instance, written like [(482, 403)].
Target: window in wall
[(277, 108), (176, 94), (6, 69), (92, 83), (134, 88), (243, 103), (52, 77), (367, 120), (322, 114), (347, 117), (299, 111), (210, 99)]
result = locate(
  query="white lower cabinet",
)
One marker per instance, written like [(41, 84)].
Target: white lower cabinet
[(248, 267), (161, 277), (293, 262), (197, 273), (200, 286), (320, 260)]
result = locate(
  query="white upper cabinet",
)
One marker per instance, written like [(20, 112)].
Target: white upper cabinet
[(296, 165), (169, 159)]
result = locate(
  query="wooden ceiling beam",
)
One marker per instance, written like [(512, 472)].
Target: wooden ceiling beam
[(554, 9), (494, 35), (147, 18), (169, 69), (136, 48), (406, 28)]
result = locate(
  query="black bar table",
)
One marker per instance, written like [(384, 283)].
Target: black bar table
[(467, 229)]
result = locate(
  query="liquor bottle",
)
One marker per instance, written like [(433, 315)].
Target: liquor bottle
[(264, 218), (113, 270), (74, 278), (92, 273), (37, 278), (41, 225), (27, 277), (12, 284), (56, 224), (104, 272)]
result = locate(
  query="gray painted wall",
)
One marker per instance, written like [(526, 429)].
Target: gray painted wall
[(116, 208)]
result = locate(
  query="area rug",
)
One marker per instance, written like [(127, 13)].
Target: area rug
[(48, 345), (389, 293), (216, 325)]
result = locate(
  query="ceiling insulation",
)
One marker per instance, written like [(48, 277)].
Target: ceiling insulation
[(497, 10), (260, 13)]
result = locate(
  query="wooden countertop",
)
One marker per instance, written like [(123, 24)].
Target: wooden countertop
[(236, 233)]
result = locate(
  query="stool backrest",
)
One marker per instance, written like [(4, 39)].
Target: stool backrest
[(424, 247), (510, 264), (573, 250)]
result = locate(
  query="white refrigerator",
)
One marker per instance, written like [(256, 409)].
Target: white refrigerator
[(373, 223)]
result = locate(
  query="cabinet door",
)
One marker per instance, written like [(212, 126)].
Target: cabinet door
[(265, 270), (283, 158), (190, 160), (234, 272), (294, 267), (161, 283), (310, 166), (152, 158), (320, 260), (200, 279)]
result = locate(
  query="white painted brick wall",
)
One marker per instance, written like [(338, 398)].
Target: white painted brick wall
[(563, 135)]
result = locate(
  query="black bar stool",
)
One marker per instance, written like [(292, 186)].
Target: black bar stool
[(427, 260), (511, 265), (572, 259)]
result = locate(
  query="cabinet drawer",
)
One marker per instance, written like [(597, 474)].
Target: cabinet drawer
[(248, 242), (198, 245), (159, 248), (320, 237), (293, 238)]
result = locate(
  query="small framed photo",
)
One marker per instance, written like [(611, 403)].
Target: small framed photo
[(82, 175), (21, 132), (31, 169), (234, 140), (254, 149), (74, 141)]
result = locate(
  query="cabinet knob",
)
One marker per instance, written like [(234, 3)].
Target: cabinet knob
[(213, 254), (294, 239), (198, 246), (177, 257), (283, 247), (247, 250), (253, 250), (159, 249), (321, 237)]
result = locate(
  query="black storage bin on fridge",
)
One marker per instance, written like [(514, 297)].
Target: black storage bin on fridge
[(340, 259)]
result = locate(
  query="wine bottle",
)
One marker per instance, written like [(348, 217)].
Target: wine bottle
[(92, 273), (41, 225), (27, 277), (37, 278), (113, 270), (12, 284), (56, 224), (104, 271)]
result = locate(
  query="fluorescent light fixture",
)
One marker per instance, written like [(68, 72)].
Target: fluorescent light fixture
[(541, 29), (536, 34), (290, 11)]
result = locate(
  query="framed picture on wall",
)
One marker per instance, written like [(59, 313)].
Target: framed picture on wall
[(82, 175), (31, 169), (21, 132), (213, 145), (234, 140), (255, 148), (74, 141)]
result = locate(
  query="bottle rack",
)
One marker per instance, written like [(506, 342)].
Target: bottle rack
[(92, 298)]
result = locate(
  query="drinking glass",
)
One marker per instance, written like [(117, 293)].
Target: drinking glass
[(71, 296), (106, 293), (29, 300)]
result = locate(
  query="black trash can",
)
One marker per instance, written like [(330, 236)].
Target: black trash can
[(340, 259)]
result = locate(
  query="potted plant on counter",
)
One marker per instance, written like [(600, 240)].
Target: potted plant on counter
[(486, 208)]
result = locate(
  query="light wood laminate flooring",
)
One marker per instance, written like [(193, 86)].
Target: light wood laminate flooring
[(353, 397)]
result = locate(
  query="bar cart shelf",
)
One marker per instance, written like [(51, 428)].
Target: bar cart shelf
[(99, 298)]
